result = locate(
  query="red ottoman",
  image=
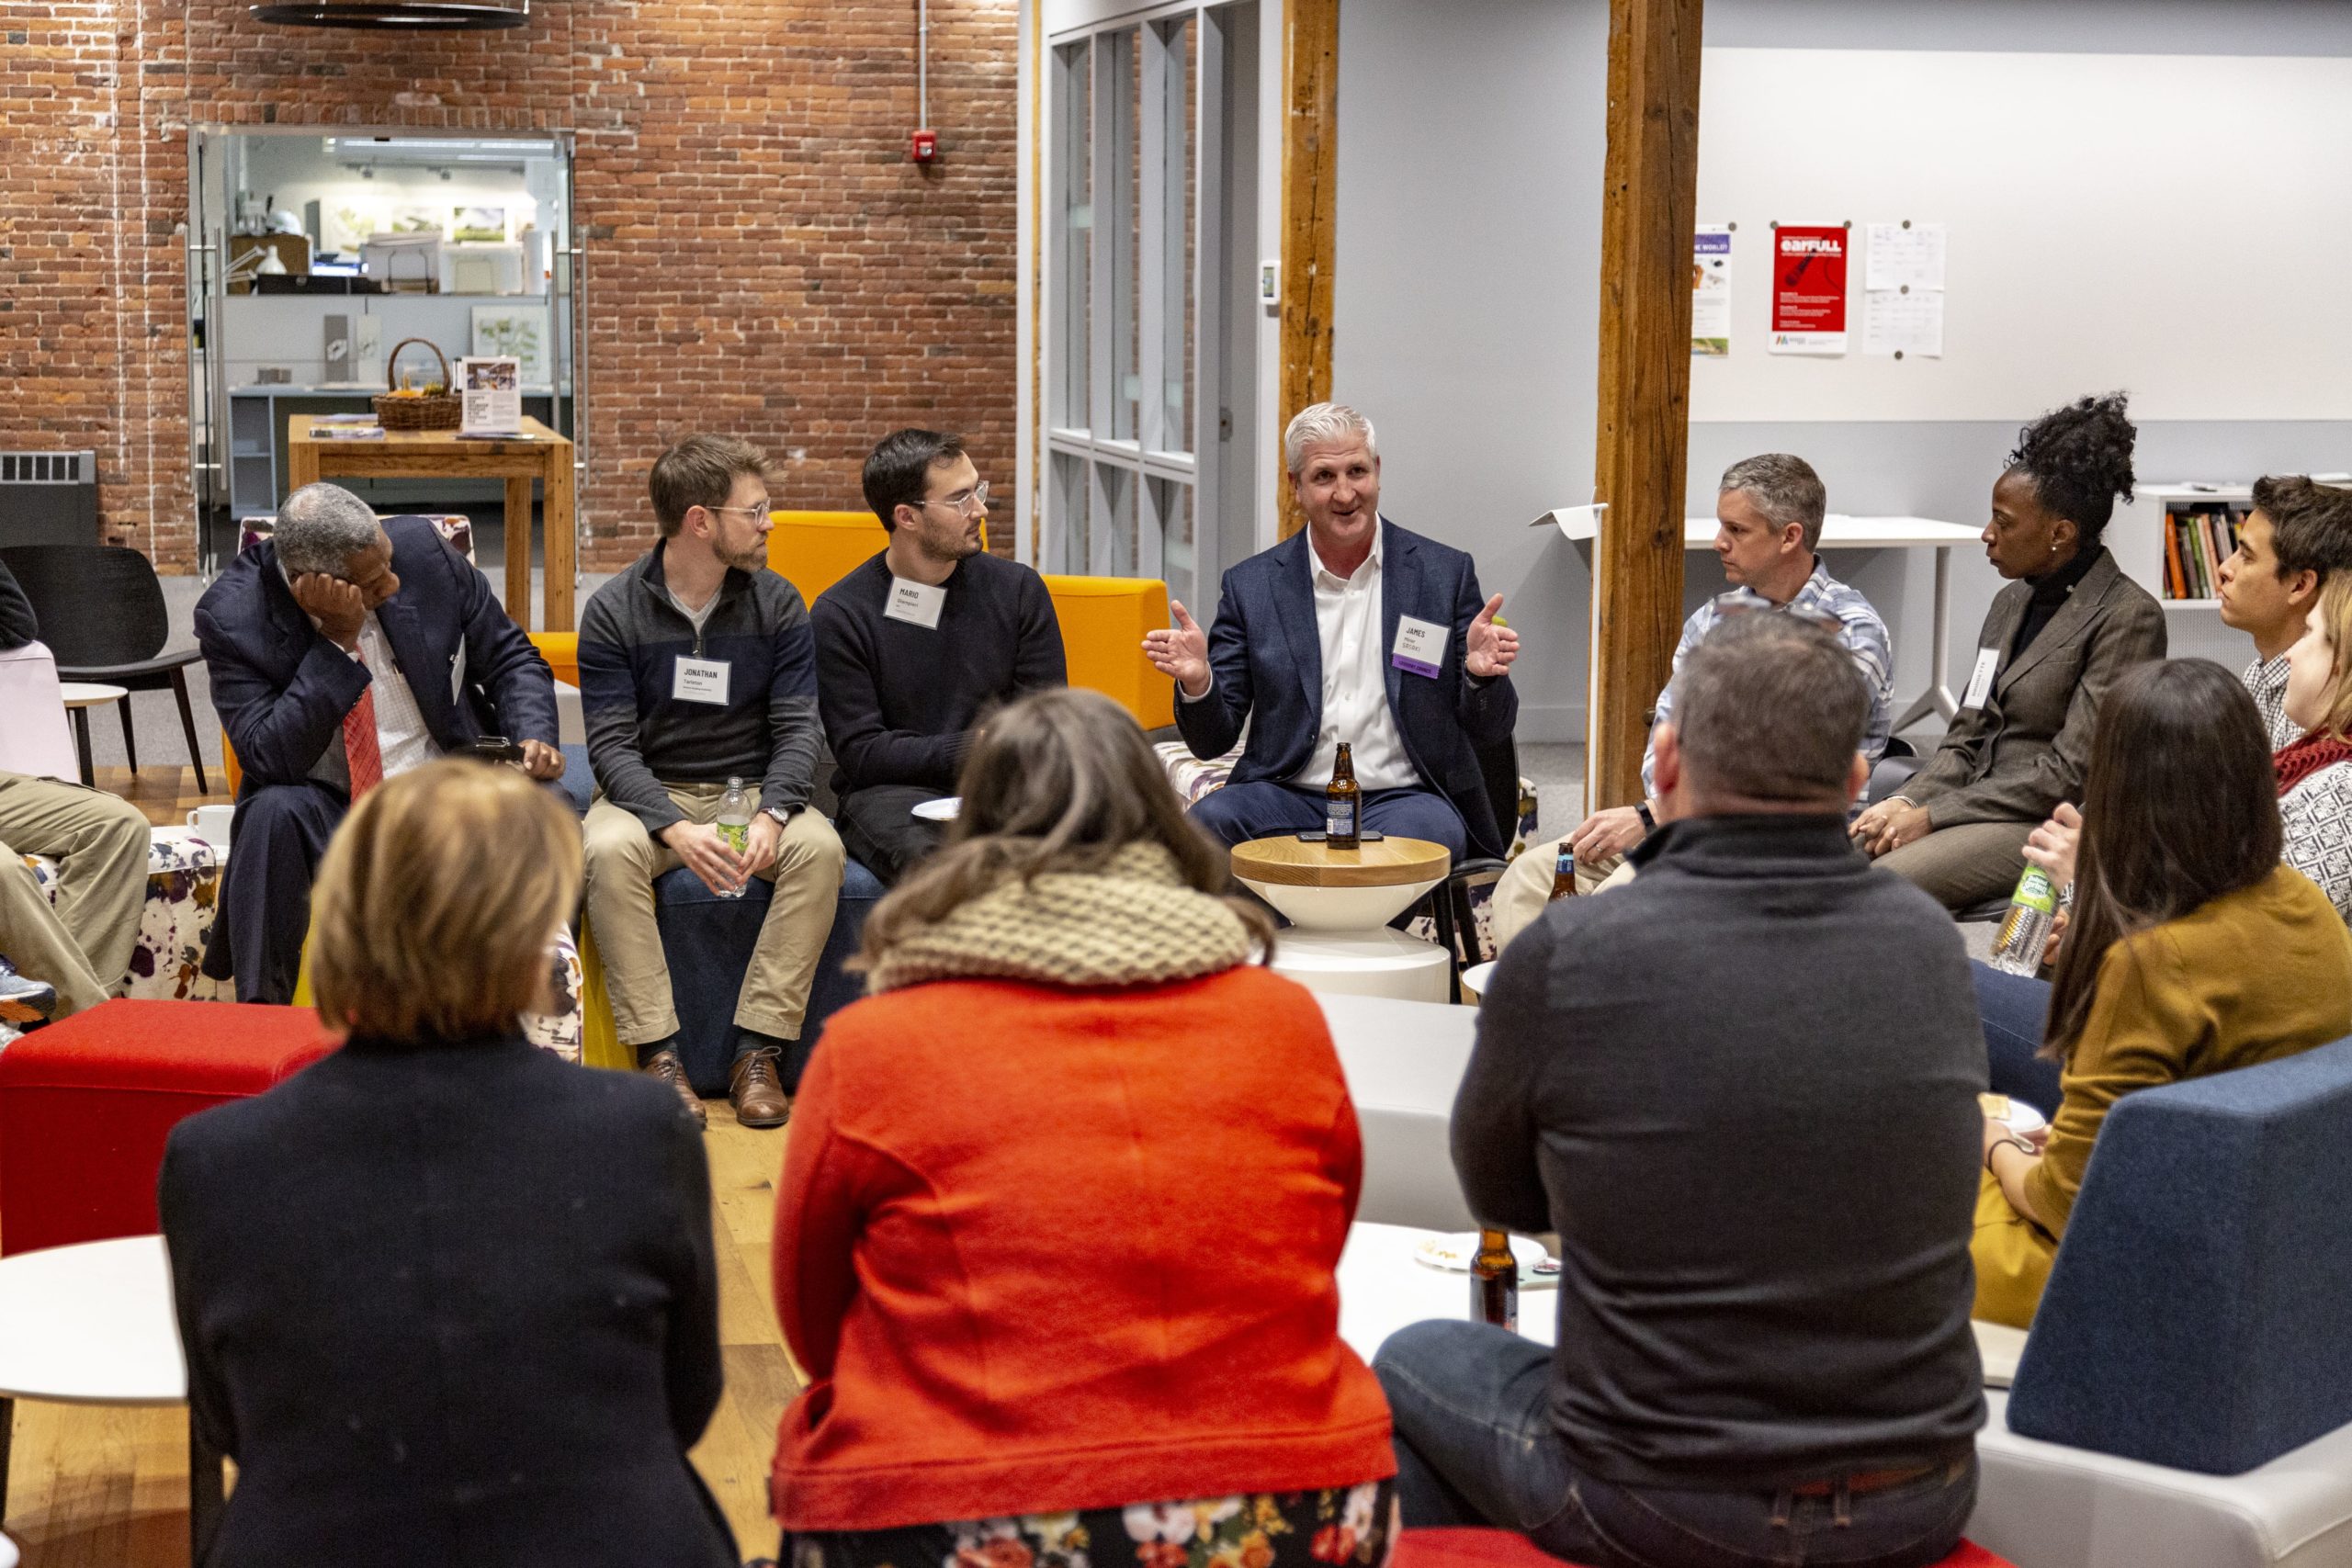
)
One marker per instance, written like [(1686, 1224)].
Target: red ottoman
[(1508, 1549), (86, 1104)]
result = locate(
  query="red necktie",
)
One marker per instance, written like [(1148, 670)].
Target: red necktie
[(364, 758)]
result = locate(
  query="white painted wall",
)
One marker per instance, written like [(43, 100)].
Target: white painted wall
[(2093, 245)]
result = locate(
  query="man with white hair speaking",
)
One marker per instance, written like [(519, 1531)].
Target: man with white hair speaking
[(1356, 632), (343, 651)]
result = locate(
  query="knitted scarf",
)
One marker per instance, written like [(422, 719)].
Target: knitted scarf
[(2300, 759), (1134, 922)]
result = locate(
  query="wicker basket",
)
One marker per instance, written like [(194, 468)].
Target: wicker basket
[(435, 411)]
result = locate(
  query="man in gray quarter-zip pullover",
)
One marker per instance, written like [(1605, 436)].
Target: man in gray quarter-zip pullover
[(697, 665)]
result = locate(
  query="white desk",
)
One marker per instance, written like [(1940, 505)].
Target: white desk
[(93, 1325), (1383, 1287), (1841, 533)]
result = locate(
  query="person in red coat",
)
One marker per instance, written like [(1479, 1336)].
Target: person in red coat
[(1056, 1228)]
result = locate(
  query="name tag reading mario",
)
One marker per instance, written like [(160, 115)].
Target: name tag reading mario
[(1420, 647), (700, 680), (917, 603), (1980, 680)]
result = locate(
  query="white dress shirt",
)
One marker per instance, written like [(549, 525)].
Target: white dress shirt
[(400, 736), (1355, 680)]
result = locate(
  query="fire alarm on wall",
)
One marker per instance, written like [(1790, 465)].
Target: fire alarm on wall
[(926, 146)]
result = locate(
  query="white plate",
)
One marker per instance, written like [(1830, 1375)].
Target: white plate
[(2021, 1117), (943, 810), (1453, 1253)]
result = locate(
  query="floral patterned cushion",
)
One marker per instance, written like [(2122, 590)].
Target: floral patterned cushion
[(183, 892)]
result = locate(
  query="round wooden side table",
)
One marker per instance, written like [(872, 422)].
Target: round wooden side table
[(1340, 903)]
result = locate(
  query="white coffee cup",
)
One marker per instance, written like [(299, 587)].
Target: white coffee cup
[(210, 823)]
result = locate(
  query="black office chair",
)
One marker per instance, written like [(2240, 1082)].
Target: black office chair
[(101, 613), (1451, 908)]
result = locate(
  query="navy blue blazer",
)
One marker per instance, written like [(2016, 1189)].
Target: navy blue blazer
[(1268, 663), (281, 688)]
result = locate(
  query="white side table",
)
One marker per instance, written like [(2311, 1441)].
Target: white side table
[(1340, 903), (93, 1325), (81, 697)]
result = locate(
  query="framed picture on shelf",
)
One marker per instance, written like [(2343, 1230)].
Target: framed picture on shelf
[(469, 225), (516, 331)]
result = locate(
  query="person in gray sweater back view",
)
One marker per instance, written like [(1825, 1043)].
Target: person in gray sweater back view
[(1742, 1091)]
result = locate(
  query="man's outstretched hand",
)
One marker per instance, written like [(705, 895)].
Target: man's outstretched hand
[(1182, 654), (1492, 644)]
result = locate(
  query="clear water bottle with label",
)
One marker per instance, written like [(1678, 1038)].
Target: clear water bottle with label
[(2025, 929), (735, 823)]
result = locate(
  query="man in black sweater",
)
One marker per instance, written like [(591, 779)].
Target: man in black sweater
[(1742, 1091), (914, 648)]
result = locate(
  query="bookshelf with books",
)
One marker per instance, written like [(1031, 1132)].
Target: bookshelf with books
[(2172, 540)]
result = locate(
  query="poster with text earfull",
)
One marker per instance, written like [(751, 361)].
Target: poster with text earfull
[(1809, 288), (1710, 290)]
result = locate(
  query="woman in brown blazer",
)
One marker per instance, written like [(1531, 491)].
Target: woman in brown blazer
[(2055, 640)]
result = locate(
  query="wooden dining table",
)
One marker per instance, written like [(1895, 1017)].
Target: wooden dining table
[(537, 453)]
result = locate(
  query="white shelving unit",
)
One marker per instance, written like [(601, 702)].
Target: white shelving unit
[(2136, 534)]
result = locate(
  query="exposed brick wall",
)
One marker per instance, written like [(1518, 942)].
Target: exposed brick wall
[(763, 259)]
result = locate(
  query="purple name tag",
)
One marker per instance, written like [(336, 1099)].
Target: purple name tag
[(1414, 665), (1420, 647)]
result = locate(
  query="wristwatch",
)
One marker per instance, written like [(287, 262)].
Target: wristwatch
[(783, 815), (1649, 822)]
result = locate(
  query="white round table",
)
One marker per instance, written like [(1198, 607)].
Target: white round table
[(93, 1325), (81, 697), (1383, 1287)]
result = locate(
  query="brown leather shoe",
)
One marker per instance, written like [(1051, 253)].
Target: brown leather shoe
[(664, 1065), (758, 1097)]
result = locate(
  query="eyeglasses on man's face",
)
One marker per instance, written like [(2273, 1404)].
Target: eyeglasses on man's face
[(967, 502), (754, 513)]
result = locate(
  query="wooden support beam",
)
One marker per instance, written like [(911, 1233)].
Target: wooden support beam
[(1648, 213), (1310, 184)]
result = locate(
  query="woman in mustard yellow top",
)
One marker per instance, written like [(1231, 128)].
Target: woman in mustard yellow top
[(2192, 950)]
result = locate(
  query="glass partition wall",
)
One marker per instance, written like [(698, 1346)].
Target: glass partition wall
[(1149, 324), (314, 253)]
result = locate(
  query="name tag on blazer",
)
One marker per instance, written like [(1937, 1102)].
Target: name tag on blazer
[(1980, 680), (1420, 647)]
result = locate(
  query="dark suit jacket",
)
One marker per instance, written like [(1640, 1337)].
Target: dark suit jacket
[(2023, 750), (281, 688), (451, 1305), (1267, 660)]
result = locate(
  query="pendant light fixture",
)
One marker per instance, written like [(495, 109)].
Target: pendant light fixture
[(395, 16)]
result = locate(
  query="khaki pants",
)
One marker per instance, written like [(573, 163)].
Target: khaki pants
[(1966, 865), (1526, 886), (82, 946), (623, 858)]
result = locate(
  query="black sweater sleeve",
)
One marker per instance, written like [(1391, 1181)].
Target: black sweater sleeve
[(18, 625)]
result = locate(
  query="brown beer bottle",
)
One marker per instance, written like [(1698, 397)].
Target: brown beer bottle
[(1342, 805), (1563, 875), (1494, 1281)]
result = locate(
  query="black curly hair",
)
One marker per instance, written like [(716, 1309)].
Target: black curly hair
[(2079, 458)]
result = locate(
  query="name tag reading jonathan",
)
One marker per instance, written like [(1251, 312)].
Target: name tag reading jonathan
[(700, 680), (917, 603), (1980, 680), (1420, 647)]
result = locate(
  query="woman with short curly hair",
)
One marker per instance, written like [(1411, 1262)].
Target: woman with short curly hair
[(2055, 640)]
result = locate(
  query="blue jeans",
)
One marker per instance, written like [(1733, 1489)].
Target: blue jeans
[(1238, 813), (2014, 1011), (1475, 1446)]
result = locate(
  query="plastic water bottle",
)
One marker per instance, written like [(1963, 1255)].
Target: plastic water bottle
[(2025, 930), (735, 823)]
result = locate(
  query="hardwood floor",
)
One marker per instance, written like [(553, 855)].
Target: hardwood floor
[(167, 794), (102, 1488)]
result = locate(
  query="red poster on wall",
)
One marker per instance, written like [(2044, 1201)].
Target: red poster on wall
[(1809, 288)]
